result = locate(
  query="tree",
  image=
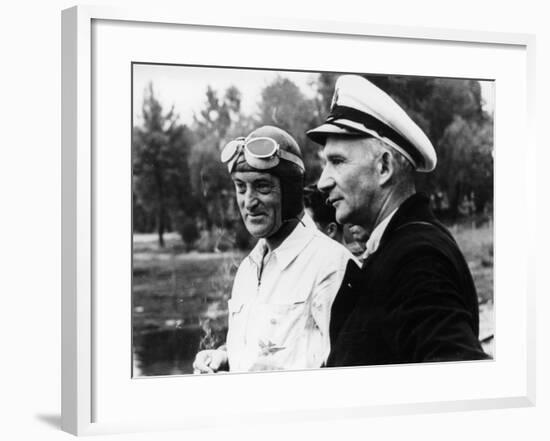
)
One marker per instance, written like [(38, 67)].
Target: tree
[(160, 147), (466, 163), (219, 121), (218, 114)]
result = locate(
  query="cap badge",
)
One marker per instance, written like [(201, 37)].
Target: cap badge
[(334, 100)]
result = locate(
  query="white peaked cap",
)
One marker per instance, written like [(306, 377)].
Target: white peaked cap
[(359, 107)]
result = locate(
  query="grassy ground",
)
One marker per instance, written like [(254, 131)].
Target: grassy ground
[(477, 246), (179, 298), (171, 288)]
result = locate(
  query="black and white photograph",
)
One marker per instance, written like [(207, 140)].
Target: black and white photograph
[(294, 220), (268, 221)]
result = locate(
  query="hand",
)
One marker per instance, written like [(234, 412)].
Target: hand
[(210, 361)]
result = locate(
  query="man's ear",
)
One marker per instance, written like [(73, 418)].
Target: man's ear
[(385, 167), (332, 230)]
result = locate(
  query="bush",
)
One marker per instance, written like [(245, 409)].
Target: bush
[(214, 240), (189, 232), (206, 242)]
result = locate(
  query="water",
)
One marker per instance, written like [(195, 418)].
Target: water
[(166, 351)]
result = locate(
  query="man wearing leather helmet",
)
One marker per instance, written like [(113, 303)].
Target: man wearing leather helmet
[(283, 290)]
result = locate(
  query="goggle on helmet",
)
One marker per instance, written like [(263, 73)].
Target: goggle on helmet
[(262, 153)]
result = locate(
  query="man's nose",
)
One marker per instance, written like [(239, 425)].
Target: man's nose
[(250, 199), (325, 182)]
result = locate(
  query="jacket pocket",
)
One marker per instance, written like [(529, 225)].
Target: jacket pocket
[(281, 324)]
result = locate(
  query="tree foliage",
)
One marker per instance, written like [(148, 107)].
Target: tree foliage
[(465, 168), (218, 114), (160, 150)]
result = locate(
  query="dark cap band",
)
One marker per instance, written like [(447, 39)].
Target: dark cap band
[(371, 123)]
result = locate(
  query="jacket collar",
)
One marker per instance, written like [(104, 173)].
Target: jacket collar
[(285, 253), (374, 239), (414, 209)]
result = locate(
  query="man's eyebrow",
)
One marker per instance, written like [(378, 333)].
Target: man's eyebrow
[(263, 181), (333, 156)]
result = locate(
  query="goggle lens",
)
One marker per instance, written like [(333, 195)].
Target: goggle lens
[(262, 147), (230, 150)]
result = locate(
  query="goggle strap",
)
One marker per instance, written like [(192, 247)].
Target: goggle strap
[(231, 163), (291, 158)]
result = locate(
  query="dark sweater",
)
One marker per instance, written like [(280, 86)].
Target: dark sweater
[(414, 300)]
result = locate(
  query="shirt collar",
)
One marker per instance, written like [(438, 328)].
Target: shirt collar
[(374, 239), (285, 253)]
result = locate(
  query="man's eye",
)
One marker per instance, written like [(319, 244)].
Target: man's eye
[(240, 188), (264, 188)]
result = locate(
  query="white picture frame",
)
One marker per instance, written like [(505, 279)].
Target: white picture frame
[(97, 389)]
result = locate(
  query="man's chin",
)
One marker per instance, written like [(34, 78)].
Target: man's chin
[(258, 233), (342, 217)]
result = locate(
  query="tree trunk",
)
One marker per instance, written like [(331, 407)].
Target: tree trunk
[(161, 225), (161, 208), (455, 200)]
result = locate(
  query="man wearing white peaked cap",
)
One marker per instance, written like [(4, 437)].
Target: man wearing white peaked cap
[(358, 107), (414, 299)]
